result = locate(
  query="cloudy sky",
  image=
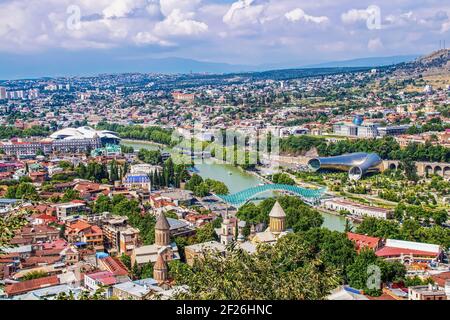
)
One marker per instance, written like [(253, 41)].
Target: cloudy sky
[(232, 31)]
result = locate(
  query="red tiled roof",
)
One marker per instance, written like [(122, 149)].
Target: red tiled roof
[(115, 266), (362, 241), (441, 278), (105, 277), (391, 251), (29, 285), (78, 201), (46, 217), (32, 261)]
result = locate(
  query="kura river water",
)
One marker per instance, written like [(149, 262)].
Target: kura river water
[(235, 178)]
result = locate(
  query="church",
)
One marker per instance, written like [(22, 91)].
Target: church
[(277, 227), (162, 247)]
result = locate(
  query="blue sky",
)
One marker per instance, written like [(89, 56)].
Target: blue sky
[(250, 32)]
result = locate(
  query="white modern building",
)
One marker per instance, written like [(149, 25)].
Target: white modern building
[(356, 209)]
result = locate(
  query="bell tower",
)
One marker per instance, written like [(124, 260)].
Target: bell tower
[(226, 235), (162, 231), (160, 270)]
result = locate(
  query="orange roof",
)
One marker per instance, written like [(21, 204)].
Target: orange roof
[(29, 285), (79, 225)]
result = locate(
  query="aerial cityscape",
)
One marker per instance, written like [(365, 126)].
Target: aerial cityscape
[(205, 150)]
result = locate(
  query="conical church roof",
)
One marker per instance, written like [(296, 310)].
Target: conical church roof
[(160, 264), (162, 223), (277, 211)]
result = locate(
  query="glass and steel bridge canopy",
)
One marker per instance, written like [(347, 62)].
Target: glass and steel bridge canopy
[(240, 198)]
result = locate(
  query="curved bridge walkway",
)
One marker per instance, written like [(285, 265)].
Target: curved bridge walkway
[(240, 198)]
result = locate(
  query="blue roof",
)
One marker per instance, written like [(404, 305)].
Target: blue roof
[(101, 255), (137, 179), (8, 201), (353, 290), (148, 282), (80, 244)]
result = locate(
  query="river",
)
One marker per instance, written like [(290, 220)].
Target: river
[(235, 179)]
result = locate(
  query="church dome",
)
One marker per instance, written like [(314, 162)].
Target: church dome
[(277, 211)]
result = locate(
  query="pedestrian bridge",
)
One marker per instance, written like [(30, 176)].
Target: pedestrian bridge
[(242, 197)]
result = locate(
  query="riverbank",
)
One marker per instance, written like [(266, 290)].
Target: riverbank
[(238, 179), (145, 142)]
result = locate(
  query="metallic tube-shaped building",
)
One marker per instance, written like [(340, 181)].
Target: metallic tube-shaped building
[(357, 164)]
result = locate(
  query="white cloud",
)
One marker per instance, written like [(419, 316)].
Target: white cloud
[(445, 27), (356, 15), (254, 29), (147, 38), (300, 15), (168, 6), (180, 24), (375, 44), (243, 12), (122, 8)]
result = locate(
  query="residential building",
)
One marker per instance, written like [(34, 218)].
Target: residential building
[(64, 210), (79, 231), (119, 237), (428, 292)]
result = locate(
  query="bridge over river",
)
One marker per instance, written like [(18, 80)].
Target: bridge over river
[(240, 198)]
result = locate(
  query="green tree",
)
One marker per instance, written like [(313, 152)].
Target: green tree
[(34, 275), (281, 271), (70, 194)]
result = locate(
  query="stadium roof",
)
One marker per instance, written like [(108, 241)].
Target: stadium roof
[(82, 133)]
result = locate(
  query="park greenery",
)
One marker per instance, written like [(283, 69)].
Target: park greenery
[(409, 230), (120, 205), (386, 148), (8, 132), (303, 265), (154, 133), (23, 190), (282, 178), (202, 188), (299, 216), (9, 224), (282, 271)]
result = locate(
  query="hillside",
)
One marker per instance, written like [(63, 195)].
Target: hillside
[(435, 64)]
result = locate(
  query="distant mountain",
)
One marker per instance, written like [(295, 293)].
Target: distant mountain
[(365, 62), (65, 63), (72, 64)]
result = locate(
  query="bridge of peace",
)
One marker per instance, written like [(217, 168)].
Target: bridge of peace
[(311, 196)]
